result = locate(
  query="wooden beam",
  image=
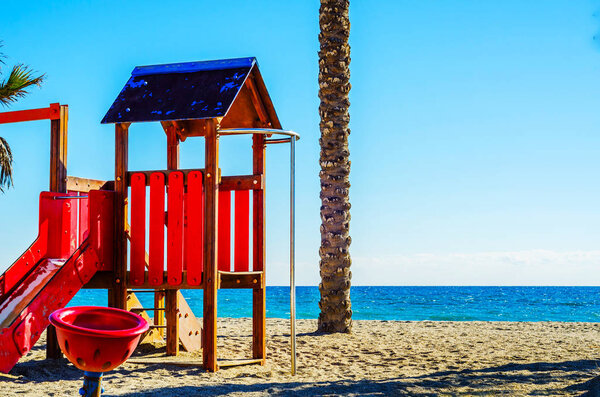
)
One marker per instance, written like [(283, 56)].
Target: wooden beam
[(265, 99), (211, 186), (171, 304), (161, 361), (172, 312), (52, 346), (241, 182), (191, 363), (186, 128), (258, 295), (84, 185), (52, 113), (58, 177), (169, 126), (172, 148), (226, 280), (58, 151), (252, 280), (257, 102), (120, 263)]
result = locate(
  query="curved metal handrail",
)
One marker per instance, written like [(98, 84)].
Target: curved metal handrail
[(263, 131), (293, 137)]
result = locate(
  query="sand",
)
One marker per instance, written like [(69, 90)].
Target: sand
[(380, 358)]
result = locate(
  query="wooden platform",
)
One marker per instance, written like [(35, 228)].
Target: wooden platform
[(226, 280)]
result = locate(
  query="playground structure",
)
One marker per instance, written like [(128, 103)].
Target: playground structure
[(86, 239)]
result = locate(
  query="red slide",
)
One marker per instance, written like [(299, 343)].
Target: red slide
[(64, 257)]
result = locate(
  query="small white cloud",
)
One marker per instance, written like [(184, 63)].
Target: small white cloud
[(531, 267)]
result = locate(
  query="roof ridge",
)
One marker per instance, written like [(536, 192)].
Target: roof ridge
[(190, 67)]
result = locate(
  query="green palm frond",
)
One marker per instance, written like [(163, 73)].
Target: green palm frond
[(15, 86), (6, 160)]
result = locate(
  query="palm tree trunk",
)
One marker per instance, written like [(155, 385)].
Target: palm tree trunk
[(334, 87)]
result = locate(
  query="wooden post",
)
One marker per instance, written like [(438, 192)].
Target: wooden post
[(172, 309), (58, 151), (172, 149), (52, 346), (159, 315), (258, 294), (172, 312), (211, 149), (58, 183), (119, 298)]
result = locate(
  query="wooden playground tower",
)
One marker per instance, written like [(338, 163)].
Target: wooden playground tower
[(188, 245)]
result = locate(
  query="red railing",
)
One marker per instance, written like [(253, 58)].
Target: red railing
[(184, 221)]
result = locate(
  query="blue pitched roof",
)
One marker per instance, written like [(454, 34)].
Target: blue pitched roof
[(180, 91), (188, 67)]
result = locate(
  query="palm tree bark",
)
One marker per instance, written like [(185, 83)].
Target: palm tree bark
[(334, 87)]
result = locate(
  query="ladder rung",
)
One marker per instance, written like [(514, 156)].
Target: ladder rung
[(158, 326), (138, 291), (140, 309)]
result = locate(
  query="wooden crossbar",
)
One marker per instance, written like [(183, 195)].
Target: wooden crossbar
[(166, 174), (50, 113)]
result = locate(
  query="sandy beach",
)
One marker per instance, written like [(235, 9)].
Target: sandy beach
[(380, 358)]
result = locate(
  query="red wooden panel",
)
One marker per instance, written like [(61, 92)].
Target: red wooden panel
[(156, 252), (138, 229), (258, 240), (175, 229), (224, 235), (83, 219), (102, 226), (64, 243), (51, 214), (241, 232), (185, 227), (71, 226), (194, 242)]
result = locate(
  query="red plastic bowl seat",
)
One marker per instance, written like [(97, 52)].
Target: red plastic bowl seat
[(97, 339)]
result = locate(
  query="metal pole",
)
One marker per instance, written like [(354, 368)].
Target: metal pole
[(293, 252)]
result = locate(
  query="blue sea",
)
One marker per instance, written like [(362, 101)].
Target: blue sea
[(406, 303)]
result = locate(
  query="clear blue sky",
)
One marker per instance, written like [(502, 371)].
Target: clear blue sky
[(475, 141)]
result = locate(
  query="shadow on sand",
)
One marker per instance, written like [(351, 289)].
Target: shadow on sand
[(493, 380)]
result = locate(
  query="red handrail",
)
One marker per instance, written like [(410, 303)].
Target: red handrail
[(50, 113)]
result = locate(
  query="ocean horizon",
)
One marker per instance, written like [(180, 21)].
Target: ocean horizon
[(406, 303)]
